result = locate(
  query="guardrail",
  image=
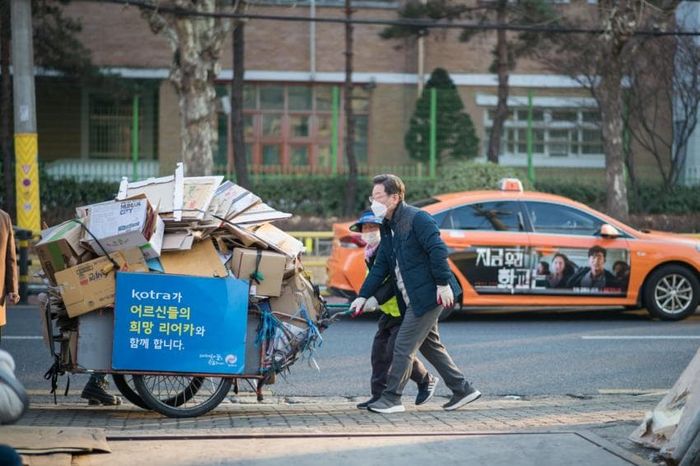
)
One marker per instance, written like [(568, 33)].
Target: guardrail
[(317, 243)]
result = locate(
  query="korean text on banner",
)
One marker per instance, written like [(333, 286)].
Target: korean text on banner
[(177, 323)]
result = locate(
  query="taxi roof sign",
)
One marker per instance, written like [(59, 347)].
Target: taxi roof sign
[(510, 184)]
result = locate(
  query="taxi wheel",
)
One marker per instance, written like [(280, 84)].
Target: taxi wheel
[(671, 293)]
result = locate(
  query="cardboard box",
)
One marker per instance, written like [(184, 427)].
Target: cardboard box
[(59, 248), (123, 225), (297, 292), (202, 261), (271, 266), (91, 285)]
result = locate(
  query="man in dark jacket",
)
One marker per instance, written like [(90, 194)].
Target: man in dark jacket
[(388, 324), (412, 254)]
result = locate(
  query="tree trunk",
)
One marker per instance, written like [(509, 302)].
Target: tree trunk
[(612, 126), (6, 132), (501, 113), (240, 161), (351, 185), (196, 44)]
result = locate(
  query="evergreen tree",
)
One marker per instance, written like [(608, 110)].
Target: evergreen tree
[(456, 137)]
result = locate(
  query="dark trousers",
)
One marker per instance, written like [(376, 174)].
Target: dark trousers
[(382, 355)]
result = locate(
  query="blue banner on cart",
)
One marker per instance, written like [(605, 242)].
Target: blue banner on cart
[(178, 323)]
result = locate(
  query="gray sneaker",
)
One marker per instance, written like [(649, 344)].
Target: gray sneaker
[(385, 406), (460, 399)]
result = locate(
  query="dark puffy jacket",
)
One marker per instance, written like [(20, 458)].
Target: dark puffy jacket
[(422, 258)]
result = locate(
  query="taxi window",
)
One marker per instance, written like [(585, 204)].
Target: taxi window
[(489, 216), (546, 217)]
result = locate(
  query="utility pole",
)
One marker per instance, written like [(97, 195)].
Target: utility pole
[(26, 146), (351, 186), (6, 109)]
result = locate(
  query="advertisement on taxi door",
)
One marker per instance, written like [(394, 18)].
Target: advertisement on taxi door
[(594, 271)]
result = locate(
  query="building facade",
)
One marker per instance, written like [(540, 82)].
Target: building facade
[(293, 97)]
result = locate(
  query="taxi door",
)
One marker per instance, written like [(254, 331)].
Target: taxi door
[(488, 250), (574, 262)]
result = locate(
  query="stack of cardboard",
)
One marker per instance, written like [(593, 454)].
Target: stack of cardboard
[(198, 226)]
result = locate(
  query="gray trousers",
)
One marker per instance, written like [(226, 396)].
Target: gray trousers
[(382, 354), (421, 333)]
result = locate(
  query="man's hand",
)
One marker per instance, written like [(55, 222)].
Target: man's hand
[(445, 296), (357, 306), (371, 305), (13, 297)]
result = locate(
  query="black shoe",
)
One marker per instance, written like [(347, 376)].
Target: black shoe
[(460, 399), (426, 390), (95, 392), (364, 404)]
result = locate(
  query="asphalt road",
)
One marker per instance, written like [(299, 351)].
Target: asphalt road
[(526, 353)]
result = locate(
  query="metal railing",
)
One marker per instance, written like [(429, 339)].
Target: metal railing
[(318, 245), (406, 171), (101, 170), (114, 170)]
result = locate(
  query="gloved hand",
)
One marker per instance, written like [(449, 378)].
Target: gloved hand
[(371, 305), (357, 306), (445, 296)]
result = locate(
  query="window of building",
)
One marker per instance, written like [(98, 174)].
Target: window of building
[(289, 127), (109, 122), (556, 132)]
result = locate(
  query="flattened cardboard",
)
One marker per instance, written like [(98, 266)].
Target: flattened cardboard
[(229, 199), (59, 248), (202, 261), (243, 264), (258, 214), (90, 285), (198, 194), (177, 241), (279, 240), (165, 192)]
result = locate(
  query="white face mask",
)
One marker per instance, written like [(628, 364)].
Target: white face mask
[(372, 238), (378, 209)]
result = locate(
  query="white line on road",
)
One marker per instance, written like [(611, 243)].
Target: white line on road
[(640, 337), (28, 337)]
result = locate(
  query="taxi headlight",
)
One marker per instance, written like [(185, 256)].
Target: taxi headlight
[(697, 247)]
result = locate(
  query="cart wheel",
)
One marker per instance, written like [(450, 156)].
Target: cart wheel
[(157, 390), (125, 384)]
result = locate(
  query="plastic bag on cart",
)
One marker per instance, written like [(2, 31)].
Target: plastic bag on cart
[(285, 342)]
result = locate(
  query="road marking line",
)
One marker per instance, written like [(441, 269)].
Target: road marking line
[(28, 337), (632, 391), (640, 337)]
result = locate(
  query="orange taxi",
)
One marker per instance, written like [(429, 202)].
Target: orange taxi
[(511, 248)]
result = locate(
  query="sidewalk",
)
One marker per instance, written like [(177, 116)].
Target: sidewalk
[(537, 431)]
